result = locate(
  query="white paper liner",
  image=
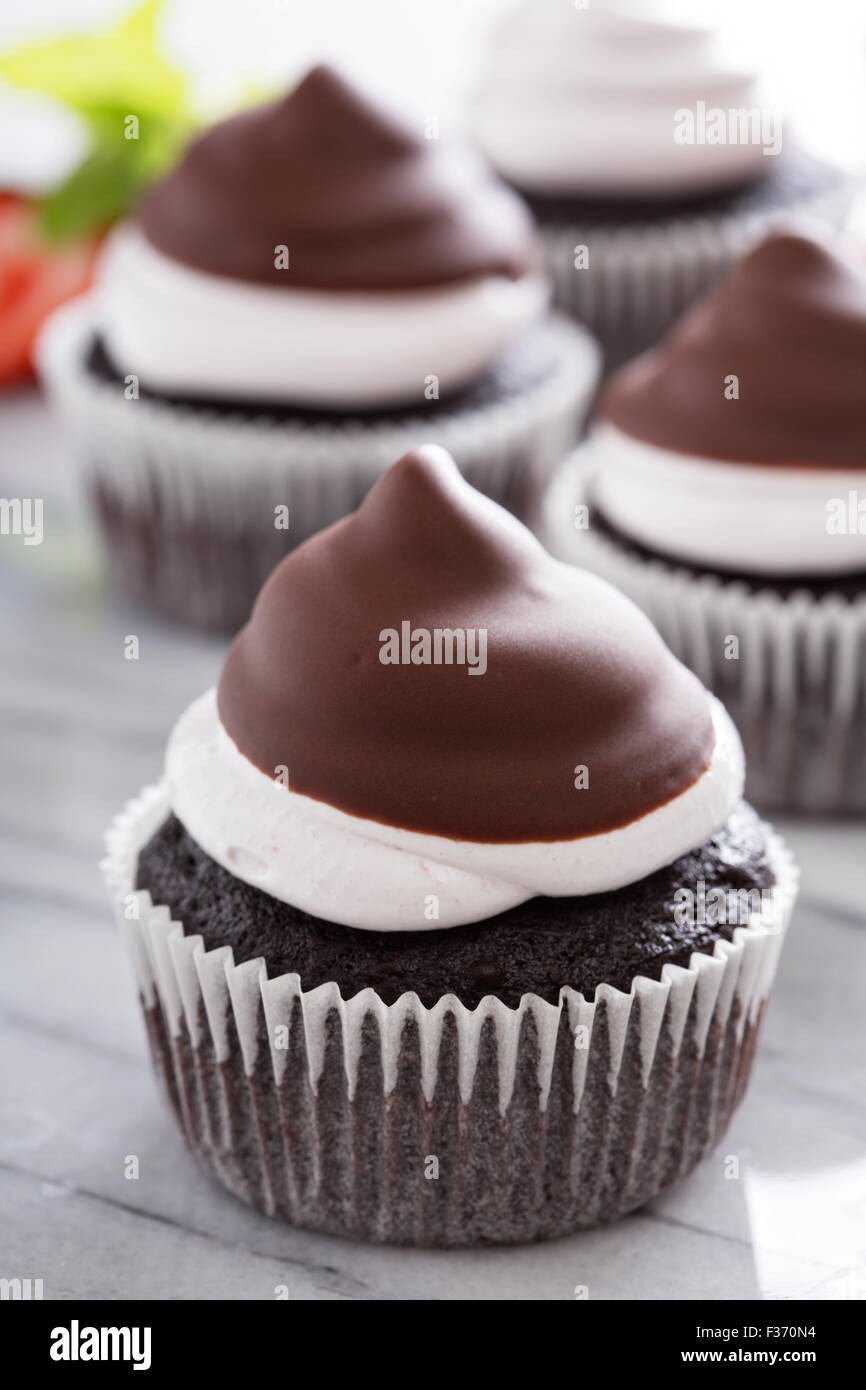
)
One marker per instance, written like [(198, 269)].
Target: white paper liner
[(797, 691), (641, 278), (543, 1119), (187, 495)]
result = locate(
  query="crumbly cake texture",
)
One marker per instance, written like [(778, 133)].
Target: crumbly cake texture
[(535, 948)]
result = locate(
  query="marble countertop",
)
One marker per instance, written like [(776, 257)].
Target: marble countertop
[(82, 729)]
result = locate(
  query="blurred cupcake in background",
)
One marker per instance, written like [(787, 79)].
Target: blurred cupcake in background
[(723, 487), (313, 289), (649, 155)]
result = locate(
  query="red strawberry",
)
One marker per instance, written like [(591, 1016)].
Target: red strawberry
[(35, 278)]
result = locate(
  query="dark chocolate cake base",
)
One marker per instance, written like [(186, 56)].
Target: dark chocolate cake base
[(791, 178), (521, 368), (847, 586), (446, 1127), (390, 1167), (535, 948)]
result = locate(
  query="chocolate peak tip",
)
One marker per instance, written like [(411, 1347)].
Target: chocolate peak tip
[(425, 505), (322, 82), (425, 479), (329, 100), (420, 483), (321, 79), (429, 462)]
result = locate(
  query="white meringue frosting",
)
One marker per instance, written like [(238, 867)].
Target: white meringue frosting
[(583, 101)]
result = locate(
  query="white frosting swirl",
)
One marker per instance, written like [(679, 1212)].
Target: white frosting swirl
[(583, 101), (767, 520), (189, 333), (378, 877)]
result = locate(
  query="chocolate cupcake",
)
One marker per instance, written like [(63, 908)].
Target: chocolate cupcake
[(720, 488), (648, 152), (420, 913), (314, 289)]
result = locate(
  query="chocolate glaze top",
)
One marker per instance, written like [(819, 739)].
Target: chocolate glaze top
[(790, 323), (361, 200), (576, 675)]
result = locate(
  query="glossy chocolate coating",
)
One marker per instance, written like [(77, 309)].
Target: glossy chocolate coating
[(790, 323), (576, 675), (360, 200)]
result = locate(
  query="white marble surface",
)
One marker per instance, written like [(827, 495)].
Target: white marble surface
[(81, 730)]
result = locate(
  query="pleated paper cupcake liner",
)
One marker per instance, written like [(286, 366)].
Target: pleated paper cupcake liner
[(796, 688), (442, 1126), (187, 495), (641, 278)]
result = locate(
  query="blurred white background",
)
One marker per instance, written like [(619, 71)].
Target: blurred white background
[(425, 55)]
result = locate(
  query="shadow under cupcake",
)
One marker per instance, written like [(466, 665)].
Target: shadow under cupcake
[(315, 289), (449, 923)]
